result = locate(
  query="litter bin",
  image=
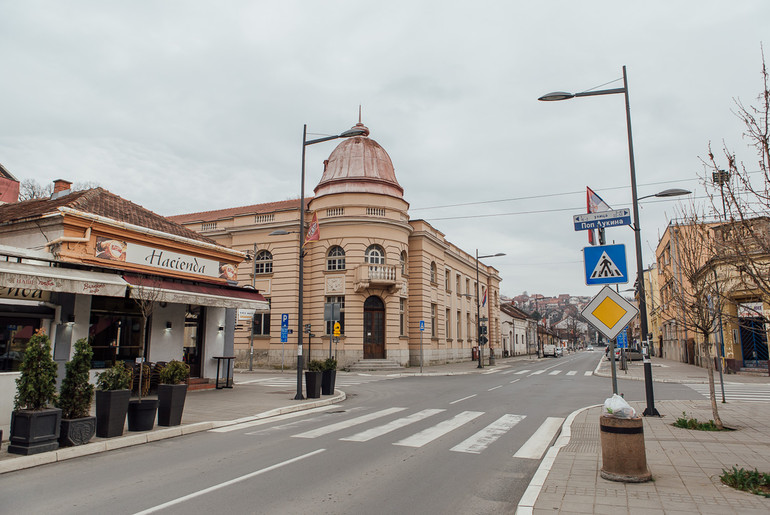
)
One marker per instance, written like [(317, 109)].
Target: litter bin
[(491, 356), (623, 454), (475, 353)]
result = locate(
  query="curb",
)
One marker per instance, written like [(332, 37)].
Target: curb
[(67, 453), (527, 502)]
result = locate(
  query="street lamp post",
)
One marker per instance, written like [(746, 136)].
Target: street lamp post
[(561, 95), (478, 302), (355, 131)]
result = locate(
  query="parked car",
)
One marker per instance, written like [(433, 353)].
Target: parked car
[(549, 349), (559, 352), (632, 354), (589, 348)]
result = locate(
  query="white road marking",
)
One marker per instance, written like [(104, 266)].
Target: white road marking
[(481, 440), (588, 373), (522, 372), (464, 399), (572, 372), (430, 434), (267, 420), (347, 423), (536, 372), (227, 483), (537, 444), (495, 388), (554, 372), (374, 432), (519, 379)]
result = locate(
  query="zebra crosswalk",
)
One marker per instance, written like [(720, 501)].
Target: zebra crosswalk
[(749, 392), (288, 381)]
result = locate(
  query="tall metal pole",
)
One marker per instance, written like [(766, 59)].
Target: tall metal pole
[(478, 313), (253, 285), (300, 301), (648, 388)]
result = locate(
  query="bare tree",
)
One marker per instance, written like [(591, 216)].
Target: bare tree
[(30, 189), (147, 298), (703, 293)]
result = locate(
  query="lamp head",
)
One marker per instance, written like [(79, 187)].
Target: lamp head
[(556, 95), (673, 192), (279, 232)]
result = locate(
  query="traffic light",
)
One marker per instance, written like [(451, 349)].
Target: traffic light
[(483, 329)]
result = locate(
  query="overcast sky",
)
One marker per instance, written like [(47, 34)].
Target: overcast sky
[(185, 106)]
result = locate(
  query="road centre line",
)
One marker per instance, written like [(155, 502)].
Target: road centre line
[(495, 388), (464, 399), (519, 379), (250, 475), (537, 444)]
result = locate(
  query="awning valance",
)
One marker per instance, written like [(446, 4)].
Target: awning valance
[(197, 294), (65, 280)]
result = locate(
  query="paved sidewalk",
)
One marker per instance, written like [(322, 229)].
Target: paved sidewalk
[(667, 371), (685, 464)]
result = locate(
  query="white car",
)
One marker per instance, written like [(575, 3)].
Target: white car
[(589, 348)]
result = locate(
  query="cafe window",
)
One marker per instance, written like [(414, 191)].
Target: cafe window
[(14, 336), (115, 331), (261, 324)]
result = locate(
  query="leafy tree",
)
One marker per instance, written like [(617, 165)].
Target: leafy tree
[(36, 386)]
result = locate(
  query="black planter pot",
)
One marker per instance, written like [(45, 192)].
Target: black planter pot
[(141, 414), (33, 432), (171, 399), (313, 384), (76, 431), (111, 408), (328, 378)]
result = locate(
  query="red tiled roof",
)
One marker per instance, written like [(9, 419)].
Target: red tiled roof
[(97, 201), (219, 214)]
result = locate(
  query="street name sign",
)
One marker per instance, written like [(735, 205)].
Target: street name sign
[(605, 264), (602, 219), (609, 313)]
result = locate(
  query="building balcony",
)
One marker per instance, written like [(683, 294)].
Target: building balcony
[(378, 276)]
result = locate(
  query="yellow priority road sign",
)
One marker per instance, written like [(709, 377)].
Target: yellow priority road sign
[(609, 313)]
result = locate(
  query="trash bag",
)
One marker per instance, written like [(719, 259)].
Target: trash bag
[(618, 407)]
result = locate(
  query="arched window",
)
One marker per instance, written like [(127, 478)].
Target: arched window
[(403, 263), (335, 259), (433, 271), (375, 255), (263, 263)]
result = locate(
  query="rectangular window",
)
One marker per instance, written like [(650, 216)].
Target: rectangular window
[(433, 320), (448, 323), (260, 326), (468, 287), (468, 327), (459, 326), (402, 317), (457, 284), (330, 324), (447, 280)]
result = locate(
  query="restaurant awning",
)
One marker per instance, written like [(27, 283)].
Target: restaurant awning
[(66, 280), (164, 290)]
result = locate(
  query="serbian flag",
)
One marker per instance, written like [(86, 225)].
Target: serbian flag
[(313, 232), (484, 298), (594, 204)]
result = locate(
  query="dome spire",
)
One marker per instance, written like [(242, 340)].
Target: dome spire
[(360, 125)]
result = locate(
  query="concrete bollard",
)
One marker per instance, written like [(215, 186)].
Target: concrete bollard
[(623, 455)]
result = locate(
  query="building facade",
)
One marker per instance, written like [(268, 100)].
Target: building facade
[(401, 285)]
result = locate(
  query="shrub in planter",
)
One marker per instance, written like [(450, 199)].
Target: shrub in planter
[(75, 396), (313, 378), (172, 392), (328, 376), (112, 396), (35, 426)]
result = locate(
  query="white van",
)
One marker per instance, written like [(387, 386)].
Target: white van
[(549, 349)]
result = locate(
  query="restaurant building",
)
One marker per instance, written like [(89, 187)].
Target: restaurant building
[(81, 264)]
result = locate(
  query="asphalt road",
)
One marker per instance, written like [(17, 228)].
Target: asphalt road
[(446, 444)]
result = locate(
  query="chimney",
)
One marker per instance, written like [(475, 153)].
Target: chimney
[(61, 185), (60, 188)]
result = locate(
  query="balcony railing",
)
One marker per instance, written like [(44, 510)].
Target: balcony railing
[(377, 276)]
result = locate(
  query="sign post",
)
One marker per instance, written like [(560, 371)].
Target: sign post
[(285, 336), (422, 329)]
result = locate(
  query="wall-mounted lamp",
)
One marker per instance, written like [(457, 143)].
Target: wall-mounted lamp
[(168, 325), (70, 320), (221, 328)]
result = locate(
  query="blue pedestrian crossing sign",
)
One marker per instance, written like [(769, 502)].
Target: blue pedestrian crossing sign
[(605, 264)]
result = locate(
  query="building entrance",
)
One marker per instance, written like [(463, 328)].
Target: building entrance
[(194, 339), (374, 328), (753, 342)]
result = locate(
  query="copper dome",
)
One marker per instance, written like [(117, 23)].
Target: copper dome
[(359, 165)]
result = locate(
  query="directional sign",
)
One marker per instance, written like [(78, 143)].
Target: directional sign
[(609, 313), (621, 341), (605, 264), (602, 219)]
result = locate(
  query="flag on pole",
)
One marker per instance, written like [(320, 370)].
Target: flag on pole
[(484, 298), (313, 232), (594, 204)]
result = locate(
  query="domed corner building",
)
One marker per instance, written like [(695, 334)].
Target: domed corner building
[(386, 272)]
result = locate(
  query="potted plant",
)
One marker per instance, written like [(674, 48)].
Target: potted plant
[(113, 390), (77, 424), (141, 412), (329, 376), (35, 426), (313, 378), (172, 391)]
